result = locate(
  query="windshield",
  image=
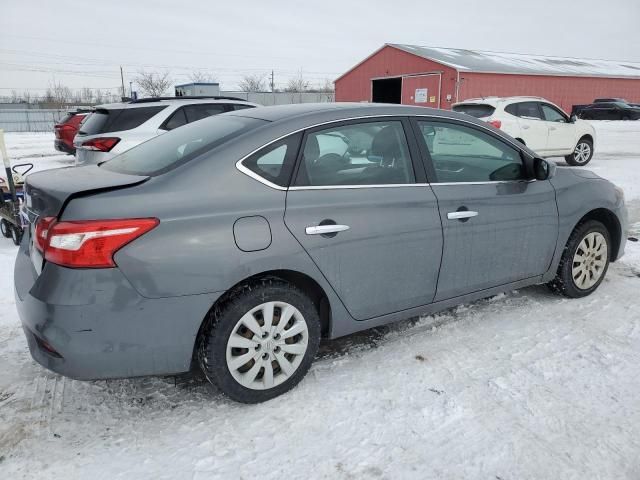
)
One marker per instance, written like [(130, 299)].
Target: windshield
[(174, 148)]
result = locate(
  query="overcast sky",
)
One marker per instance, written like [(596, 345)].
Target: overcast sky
[(83, 43)]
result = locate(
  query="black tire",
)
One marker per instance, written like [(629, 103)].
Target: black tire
[(564, 283), (5, 228), (222, 321), (626, 118), (16, 235), (573, 159)]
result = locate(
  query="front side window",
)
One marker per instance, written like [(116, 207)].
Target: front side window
[(463, 154), (552, 115), (368, 153)]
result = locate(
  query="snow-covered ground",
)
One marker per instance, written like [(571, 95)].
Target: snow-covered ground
[(525, 385)]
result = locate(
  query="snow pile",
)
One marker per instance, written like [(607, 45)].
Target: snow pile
[(521, 385)]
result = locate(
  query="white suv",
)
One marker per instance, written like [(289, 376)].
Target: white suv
[(115, 128), (538, 123)]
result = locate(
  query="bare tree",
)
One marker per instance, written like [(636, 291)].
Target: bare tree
[(15, 98), (87, 95), (154, 84), (58, 93), (99, 96), (201, 76), (26, 96), (253, 83), (327, 87), (297, 84)]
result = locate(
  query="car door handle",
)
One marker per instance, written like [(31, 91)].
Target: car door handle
[(552, 128), (324, 229), (462, 214), (526, 127)]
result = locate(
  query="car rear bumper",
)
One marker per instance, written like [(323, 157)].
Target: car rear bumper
[(91, 324), (61, 146), (92, 157)]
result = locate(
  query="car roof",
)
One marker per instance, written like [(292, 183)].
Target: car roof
[(496, 100), (336, 110), (176, 101)]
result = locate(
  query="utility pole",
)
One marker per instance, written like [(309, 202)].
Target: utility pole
[(124, 94), (273, 89)]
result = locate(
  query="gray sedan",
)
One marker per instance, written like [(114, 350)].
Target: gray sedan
[(235, 243)]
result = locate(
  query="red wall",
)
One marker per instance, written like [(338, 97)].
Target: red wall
[(563, 91), (355, 86)]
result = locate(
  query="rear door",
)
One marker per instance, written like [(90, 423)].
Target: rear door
[(363, 212), (562, 133), (498, 227), (533, 128)]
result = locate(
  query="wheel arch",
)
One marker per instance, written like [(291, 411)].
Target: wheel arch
[(612, 224), (586, 136), (301, 280)]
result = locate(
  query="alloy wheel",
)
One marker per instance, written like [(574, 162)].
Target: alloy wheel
[(582, 153), (267, 345), (589, 260)]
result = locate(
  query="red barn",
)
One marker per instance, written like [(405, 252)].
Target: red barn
[(438, 77)]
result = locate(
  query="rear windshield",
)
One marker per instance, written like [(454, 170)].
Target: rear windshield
[(475, 110), (174, 148), (117, 119)]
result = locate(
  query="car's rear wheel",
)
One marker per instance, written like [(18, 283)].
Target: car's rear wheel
[(260, 341), (5, 228), (582, 154), (584, 262)]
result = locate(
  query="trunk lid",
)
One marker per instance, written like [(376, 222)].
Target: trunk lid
[(47, 192)]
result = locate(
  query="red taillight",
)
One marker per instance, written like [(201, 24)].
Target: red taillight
[(495, 123), (104, 144), (88, 243), (42, 232)]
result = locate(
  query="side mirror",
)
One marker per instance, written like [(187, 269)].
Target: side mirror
[(542, 169), (573, 118)]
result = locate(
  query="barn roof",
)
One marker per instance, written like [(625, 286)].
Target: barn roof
[(499, 62)]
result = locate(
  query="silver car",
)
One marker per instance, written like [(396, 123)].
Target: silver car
[(237, 242), (114, 128)]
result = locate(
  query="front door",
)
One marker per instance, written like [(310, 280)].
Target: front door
[(498, 227), (365, 218), (562, 135), (422, 90)]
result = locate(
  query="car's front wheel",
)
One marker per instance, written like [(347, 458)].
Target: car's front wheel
[(584, 262), (582, 154), (260, 341)]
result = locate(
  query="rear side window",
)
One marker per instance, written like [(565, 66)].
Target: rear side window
[(117, 120), (240, 106), (475, 110), (368, 153), (174, 148), (275, 162), (198, 112), (66, 118), (176, 120)]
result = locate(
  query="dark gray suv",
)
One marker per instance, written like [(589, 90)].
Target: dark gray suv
[(237, 242)]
